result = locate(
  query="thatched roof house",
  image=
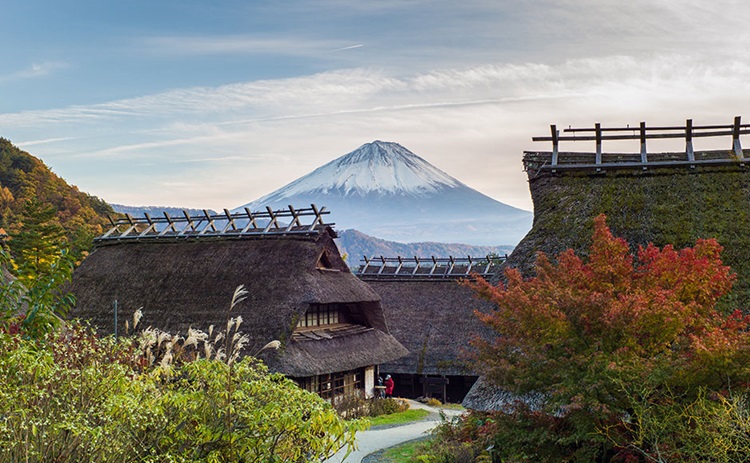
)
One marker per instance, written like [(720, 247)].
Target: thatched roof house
[(300, 290), (661, 198), (432, 315)]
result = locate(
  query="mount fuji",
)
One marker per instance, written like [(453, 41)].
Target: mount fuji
[(384, 190)]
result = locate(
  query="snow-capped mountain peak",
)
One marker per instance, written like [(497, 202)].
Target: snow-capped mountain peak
[(383, 168), (385, 190)]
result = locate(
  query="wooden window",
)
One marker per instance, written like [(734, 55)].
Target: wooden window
[(330, 386), (320, 315)]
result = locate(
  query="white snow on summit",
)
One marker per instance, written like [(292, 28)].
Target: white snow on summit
[(384, 168)]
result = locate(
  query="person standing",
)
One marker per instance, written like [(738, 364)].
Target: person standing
[(389, 385)]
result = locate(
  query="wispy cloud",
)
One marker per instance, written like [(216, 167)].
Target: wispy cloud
[(238, 45), (363, 90), (350, 47), (26, 144), (34, 71)]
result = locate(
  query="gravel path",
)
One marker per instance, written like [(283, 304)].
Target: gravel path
[(373, 440)]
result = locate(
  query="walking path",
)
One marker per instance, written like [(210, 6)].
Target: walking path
[(378, 439)]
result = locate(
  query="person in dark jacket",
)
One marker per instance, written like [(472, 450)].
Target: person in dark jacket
[(389, 385)]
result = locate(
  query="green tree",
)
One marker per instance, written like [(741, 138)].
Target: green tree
[(37, 306), (618, 356), (36, 243)]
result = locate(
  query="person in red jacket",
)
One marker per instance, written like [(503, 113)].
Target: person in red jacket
[(389, 385)]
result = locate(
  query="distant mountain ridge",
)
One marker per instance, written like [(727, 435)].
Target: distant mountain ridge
[(355, 245), (156, 210), (385, 190)]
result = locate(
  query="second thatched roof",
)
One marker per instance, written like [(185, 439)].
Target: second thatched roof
[(434, 320)]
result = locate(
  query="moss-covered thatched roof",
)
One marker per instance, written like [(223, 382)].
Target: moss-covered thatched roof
[(660, 205), (434, 320), (189, 283), (667, 205)]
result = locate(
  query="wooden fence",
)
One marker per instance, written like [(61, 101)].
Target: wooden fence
[(598, 160)]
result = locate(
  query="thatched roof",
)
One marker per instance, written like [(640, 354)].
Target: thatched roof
[(189, 283), (662, 205), (434, 320), (486, 397)]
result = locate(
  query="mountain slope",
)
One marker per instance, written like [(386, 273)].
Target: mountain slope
[(385, 190), (23, 177)]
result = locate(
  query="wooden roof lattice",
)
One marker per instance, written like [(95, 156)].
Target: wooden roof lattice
[(290, 221), (598, 160), (411, 268)]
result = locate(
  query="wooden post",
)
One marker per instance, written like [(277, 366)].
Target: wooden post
[(400, 264), (382, 265), (273, 222), (644, 155), (598, 128), (367, 264), (689, 140), (555, 143), (736, 138)]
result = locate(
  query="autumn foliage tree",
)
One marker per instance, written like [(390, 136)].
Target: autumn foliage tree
[(619, 357)]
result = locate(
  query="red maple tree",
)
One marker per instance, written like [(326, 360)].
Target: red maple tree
[(605, 339)]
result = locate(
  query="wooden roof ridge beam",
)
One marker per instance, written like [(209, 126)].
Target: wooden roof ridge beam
[(382, 267), (367, 264), (113, 229), (250, 222), (171, 225), (274, 222), (209, 223), (642, 133), (736, 145), (133, 225), (400, 264), (189, 224), (295, 218), (230, 226), (318, 220), (416, 265), (151, 226)]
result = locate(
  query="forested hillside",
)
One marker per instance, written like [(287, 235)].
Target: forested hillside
[(27, 184)]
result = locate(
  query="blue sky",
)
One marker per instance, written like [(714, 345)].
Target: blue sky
[(216, 103)]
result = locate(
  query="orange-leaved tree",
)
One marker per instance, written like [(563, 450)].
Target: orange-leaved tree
[(617, 356)]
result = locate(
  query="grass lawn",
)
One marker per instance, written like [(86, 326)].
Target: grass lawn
[(452, 407), (399, 418), (403, 453)]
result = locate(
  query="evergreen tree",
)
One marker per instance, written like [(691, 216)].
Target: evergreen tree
[(36, 243)]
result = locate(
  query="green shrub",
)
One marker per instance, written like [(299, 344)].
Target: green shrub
[(387, 406), (353, 405), (433, 402), (73, 397)]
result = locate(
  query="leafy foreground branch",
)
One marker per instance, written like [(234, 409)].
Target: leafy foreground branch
[(74, 397)]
